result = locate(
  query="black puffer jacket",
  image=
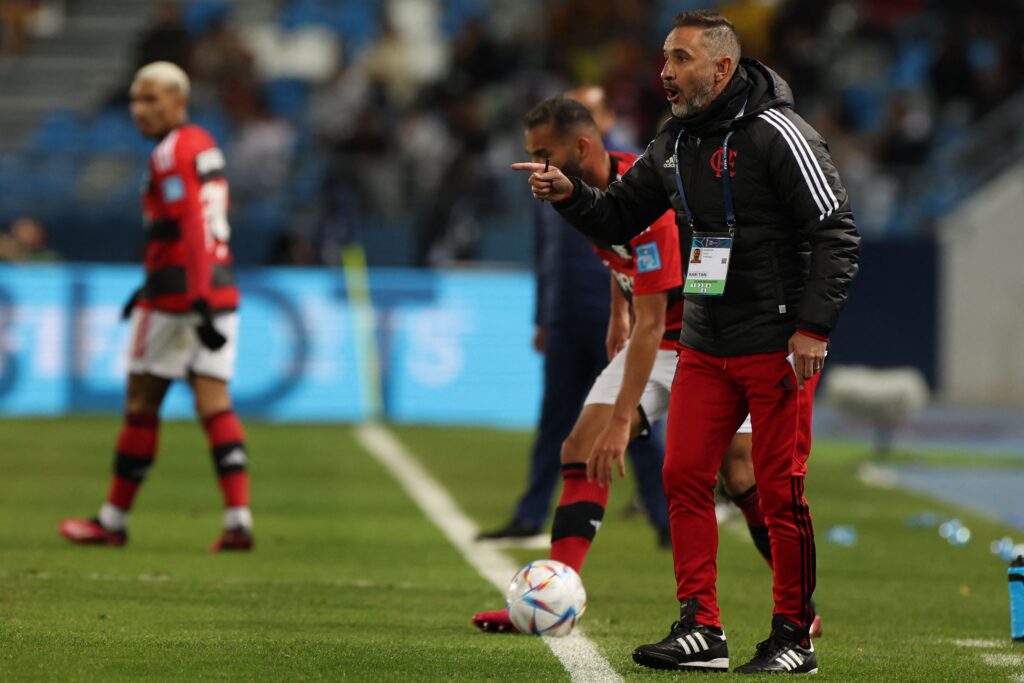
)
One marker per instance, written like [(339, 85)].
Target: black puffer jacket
[(796, 246)]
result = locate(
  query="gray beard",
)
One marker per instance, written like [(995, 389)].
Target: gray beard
[(688, 106)]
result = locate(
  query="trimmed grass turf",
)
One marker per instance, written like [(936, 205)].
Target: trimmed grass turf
[(349, 582), (891, 605)]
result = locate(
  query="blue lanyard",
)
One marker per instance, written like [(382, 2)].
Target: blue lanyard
[(730, 212)]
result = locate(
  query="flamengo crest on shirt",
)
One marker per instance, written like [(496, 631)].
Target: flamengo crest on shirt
[(716, 163)]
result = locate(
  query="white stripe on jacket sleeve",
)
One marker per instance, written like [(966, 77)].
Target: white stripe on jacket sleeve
[(808, 164)]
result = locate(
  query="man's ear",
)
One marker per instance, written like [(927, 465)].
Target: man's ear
[(723, 67), (583, 147)]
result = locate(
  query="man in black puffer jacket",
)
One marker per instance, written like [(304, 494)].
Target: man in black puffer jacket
[(755, 190)]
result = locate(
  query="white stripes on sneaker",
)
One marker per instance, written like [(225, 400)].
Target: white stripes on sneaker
[(790, 659), (692, 643), (808, 164)]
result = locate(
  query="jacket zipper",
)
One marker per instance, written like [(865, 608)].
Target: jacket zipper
[(708, 305)]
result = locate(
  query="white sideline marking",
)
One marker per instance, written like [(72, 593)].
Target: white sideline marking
[(1017, 678), (969, 642), (576, 652), (1003, 660)]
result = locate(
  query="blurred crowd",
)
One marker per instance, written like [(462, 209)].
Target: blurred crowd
[(355, 116), (22, 20), (25, 241)]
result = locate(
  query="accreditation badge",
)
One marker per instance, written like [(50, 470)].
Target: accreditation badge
[(708, 264)]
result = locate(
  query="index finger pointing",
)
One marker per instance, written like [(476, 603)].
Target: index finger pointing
[(528, 166)]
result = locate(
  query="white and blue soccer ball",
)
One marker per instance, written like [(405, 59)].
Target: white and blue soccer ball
[(546, 598)]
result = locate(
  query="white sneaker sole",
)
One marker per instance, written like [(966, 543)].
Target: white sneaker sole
[(721, 663)]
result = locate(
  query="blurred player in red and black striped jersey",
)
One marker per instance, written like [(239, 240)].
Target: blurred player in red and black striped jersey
[(184, 323)]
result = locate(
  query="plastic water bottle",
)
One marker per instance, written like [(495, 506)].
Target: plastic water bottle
[(845, 536), (1016, 577)]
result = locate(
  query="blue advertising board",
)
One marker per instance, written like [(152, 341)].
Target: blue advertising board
[(436, 347)]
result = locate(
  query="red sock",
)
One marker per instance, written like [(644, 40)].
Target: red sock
[(227, 445), (136, 448), (578, 517), (749, 503)]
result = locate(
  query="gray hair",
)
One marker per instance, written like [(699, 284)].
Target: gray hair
[(719, 36)]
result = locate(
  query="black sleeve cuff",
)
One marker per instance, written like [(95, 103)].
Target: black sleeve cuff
[(814, 329)]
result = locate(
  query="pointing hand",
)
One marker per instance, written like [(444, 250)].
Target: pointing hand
[(551, 184)]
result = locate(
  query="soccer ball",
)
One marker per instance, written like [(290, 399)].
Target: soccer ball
[(546, 598)]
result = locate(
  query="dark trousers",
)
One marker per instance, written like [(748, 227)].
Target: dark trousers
[(574, 355)]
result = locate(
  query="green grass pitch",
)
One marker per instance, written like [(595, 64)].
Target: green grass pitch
[(349, 581)]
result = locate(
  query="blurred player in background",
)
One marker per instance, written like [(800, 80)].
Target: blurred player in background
[(633, 390), (594, 98), (184, 323), (577, 340)]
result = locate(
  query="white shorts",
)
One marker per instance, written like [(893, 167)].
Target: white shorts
[(166, 345), (655, 399)]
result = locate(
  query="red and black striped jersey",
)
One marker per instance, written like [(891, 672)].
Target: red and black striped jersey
[(185, 204), (650, 263)]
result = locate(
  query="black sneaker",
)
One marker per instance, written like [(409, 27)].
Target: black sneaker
[(688, 646), (783, 652), (514, 529)]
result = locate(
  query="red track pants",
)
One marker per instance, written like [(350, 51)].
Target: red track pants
[(710, 398)]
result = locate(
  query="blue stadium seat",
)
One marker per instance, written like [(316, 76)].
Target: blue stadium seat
[(215, 122), (299, 13), (864, 105), (112, 131), (911, 68), (458, 12), (356, 22), (16, 181), (287, 97), (57, 177), (59, 131), (306, 186), (200, 15)]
